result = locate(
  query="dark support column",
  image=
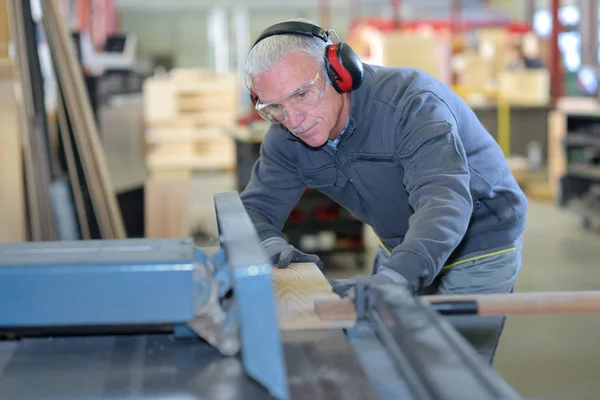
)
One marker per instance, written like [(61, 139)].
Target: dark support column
[(530, 9), (396, 12), (455, 15), (556, 69), (588, 28)]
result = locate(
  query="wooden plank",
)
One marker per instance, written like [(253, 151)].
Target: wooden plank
[(297, 289), (23, 96), (6, 69), (12, 201), (557, 160), (527, 302), (5, 35), (85, 129), (489, 303), (72, 169), (338, 309), (191, 98), (167, 208), (42, 225)]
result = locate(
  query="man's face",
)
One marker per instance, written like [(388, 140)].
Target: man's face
[(296, 93)]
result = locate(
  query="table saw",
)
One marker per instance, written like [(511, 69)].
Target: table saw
[(164, 319)]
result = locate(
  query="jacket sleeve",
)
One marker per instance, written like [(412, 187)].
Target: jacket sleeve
[(437, 182), (274, 187)]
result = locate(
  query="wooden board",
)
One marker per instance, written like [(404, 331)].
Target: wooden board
[(201, 99), (78, 107), (212, 154), (40, 216), (73, 169), (167, 207), (297, 289), (12, 200), (4, 29), (529, 87), (557, 160)]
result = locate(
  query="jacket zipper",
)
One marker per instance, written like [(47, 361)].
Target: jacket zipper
[(383, 159), (335, 160)]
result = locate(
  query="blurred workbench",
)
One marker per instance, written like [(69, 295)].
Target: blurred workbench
[(528, 124)]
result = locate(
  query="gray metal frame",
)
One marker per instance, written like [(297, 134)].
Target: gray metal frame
[(250, 269), (429, 355)]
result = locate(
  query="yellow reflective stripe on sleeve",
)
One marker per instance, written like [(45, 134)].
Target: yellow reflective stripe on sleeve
[(495, 253), (389, 253)]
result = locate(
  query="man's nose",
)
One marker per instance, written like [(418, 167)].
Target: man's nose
[(294, 119)]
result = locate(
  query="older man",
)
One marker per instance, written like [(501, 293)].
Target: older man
[(395, 147)]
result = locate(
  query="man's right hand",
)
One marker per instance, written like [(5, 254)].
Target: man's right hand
[(283, 254)]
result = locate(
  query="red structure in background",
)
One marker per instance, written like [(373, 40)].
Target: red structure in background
[(389, 25), (97, 18), (556, 74), (457, 24)]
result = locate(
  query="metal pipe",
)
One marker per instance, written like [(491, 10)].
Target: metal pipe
[(588, 28), (396, 14), (530, 10), (325, 13), (455, 15)]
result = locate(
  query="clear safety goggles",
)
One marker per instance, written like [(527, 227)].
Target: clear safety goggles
[(300, 101)]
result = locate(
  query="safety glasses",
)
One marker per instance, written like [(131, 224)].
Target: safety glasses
[(300, 101)]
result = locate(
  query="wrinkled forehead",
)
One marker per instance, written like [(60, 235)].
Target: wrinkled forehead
[(286, 77)]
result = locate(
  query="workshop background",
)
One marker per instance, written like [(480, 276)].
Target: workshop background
[(171, 124)]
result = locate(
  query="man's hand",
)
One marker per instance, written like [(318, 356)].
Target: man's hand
[(283, 254), (345, 287)]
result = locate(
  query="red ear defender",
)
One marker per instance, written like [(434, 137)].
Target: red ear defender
[(339, 77), (344, 68)]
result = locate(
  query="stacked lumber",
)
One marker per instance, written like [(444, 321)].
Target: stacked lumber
[(74, 200), (402, 49), (100, 216), (186, 114), (526, 87)]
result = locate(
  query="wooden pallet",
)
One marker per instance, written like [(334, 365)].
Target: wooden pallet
[(193, 98), (185, 116), (212, 154), (206, 148)]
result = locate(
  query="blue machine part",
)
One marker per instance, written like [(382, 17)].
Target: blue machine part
[(152, 281), (103, 282), (251, 274)]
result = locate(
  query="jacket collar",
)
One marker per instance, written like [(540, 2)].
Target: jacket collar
[(359, 99)]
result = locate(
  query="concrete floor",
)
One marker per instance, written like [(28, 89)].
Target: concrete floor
[(554, 356), (541, 356)]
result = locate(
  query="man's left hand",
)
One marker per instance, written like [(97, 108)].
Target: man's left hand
[(345, 287)]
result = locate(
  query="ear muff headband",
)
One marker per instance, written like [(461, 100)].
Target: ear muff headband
[(294, 28)]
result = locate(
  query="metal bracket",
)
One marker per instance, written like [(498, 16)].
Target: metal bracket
[(253, 297), (215, 320)]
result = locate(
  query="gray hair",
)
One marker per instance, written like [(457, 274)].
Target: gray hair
[(270, 51)]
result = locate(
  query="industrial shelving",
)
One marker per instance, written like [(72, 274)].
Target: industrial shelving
[(579, 188)]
